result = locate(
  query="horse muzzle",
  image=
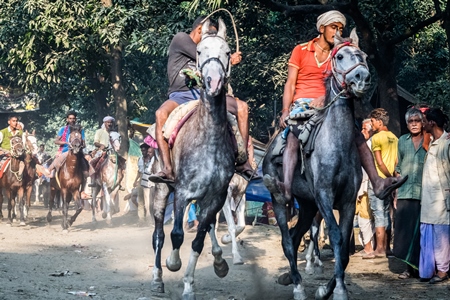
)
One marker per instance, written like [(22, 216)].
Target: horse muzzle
[(359, 82), (213, 78)]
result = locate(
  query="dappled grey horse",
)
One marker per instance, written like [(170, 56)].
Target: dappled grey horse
[(332, 173), (203, 162)]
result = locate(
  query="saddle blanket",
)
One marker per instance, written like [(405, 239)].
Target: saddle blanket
[(178, 118), (4, 163)]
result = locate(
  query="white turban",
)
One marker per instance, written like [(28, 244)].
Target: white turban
[(332, 16), (108, 118)]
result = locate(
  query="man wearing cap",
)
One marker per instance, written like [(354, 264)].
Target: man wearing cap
[(308, 67), (62, 139), (182, 55)]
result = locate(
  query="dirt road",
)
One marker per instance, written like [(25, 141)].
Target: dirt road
[(39, 261)]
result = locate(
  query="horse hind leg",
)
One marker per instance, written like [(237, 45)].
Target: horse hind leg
[(79, 205), (232, 233)]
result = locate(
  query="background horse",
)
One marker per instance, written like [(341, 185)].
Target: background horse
[(108, 180), (332, 173), (68, 179), (11, 181), (203, 162), (29, 175)]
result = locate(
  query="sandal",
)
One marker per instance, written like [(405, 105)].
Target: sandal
[(404, 275)]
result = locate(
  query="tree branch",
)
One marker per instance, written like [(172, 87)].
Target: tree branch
[(289, 10), (413, 30)]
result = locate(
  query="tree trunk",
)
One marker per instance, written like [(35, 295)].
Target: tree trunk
[(119, 97), (101, 89), (387, 86)]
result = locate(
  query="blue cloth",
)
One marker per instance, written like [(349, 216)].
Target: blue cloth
[(191, 214), (183, 97), (427, 264), (65, 148)]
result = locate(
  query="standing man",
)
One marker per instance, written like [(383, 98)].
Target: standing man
[(308, 67), (435, 213), (365, 217), (146, 188), (411, 156), (62, 139), (182, 89), (384, 148)]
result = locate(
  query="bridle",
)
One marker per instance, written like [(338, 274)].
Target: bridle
[(225, 68), (16, 146), (75, 140), (341, 83)]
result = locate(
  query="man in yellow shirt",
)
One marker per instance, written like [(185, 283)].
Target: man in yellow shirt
[(384, 148)]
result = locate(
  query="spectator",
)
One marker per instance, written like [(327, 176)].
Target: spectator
[(363, 212), (411, 156), (435, 213), (146, 188), (384, 148)]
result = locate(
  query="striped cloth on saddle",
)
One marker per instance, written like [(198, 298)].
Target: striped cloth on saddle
[(178, 118)]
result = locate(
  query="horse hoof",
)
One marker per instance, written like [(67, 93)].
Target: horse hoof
[(309, 270), (157, 286), (189, 296), (237, 260), (22, 224), (104, 215), (285, 279), (8, 224), (65, 231), (49, 218), (321, 292), (299, 293), (226, 239), (173, 267), (221, 269)]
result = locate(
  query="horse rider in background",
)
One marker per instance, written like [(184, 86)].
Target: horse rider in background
[(309, 65), (103, 140), (183, 55), (13, 129), (62, 139)]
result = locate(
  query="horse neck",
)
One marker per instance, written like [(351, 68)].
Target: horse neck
[(213, 110), (341, 112)]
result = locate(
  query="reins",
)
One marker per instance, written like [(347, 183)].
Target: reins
[(232, 21)]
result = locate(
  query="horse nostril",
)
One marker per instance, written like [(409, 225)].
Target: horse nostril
[(367, 78)]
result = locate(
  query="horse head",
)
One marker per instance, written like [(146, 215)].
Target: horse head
[(31, 143), (17, 148), (213, 58), (75, 139), (349, 65), (115, 140)]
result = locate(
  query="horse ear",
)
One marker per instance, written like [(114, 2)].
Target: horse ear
[(222, 29), (205, 28), (354, 37)]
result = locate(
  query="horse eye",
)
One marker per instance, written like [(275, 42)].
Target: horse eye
[(339, 56)]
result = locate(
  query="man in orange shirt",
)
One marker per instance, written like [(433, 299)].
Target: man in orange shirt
[(308, 67)]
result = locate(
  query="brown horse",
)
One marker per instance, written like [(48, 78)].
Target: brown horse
[(68, 179), (108, 179), (11, 181), (28, 176)]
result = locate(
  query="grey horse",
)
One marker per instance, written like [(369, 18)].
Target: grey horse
[(332, 172), (203, 161)]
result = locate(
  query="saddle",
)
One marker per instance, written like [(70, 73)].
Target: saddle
[(305, 126), (4, 163), (178, 118)]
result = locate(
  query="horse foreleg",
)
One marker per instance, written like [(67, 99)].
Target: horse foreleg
[(65, 208), (79, 205), (107, 204), (220, 265), (231, 236), (173, 262), (51, 203), (21, 198), (11, 205), (1, 205), (93, 201)]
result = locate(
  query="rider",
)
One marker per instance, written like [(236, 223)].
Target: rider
[(6, 134), (308, 67), (62, 139), (182, 55), (104, 139)]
